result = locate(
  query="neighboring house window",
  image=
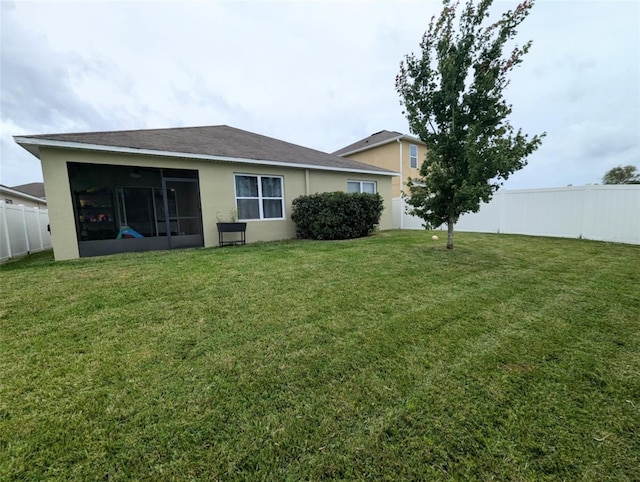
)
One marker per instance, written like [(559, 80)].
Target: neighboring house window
[(361, 186), (259, 197), (413, 156)]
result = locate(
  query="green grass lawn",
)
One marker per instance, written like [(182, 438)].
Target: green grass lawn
[(385, 358)]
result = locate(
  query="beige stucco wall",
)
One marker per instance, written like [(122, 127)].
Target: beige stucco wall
[(323, 181), (57, 191), (216, 192), (388, 157)]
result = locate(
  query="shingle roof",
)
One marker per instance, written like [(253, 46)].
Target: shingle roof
[(215, 141), (20, 194), (35, 189), (382, 137)]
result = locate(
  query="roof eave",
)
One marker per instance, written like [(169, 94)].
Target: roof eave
[(36, 143), (33, 149)]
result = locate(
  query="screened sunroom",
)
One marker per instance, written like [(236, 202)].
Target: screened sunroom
[(122, 208)]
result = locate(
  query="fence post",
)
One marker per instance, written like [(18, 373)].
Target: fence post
[(46, 240), (26, 229), (36, 211), (502, 215), (5, 227), (586, 231)]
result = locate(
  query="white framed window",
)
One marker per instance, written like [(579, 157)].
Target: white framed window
[(413, 156), (259, 197), (361, 186)]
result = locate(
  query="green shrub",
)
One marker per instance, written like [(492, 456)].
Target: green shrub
[(336, 215)]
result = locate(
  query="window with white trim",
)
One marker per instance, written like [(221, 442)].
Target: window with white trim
[(361, 186), (259, 197), (413, 156)]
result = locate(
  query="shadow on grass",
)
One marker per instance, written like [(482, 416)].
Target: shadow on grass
[(43, 258)]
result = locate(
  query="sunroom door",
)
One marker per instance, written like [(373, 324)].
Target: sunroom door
[(184, 218)]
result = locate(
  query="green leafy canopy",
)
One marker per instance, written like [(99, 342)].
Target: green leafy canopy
[(453, 99), (622, 175)]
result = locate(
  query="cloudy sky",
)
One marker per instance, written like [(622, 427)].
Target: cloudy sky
[(320, 74)]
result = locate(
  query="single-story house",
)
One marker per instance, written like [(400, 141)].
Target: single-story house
[(139, 190), (15, 195)]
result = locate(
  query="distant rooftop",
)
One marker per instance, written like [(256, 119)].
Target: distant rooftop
[(6, 190), (35, 189), (379, 138)]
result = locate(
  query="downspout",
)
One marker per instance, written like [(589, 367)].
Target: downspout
[(399, 141), (306, 182)]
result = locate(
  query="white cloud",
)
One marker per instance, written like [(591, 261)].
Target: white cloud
[(320, 74)]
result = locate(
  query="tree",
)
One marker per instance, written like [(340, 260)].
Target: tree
[(622, 175), (453, 99)]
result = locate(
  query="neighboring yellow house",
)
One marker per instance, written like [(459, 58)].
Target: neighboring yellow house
[(112, 192), (389, 150)]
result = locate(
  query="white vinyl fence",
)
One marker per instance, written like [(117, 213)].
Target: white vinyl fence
[(603, 213), (23, 230)]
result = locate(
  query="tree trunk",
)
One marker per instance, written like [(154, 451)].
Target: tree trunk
[(450, 232)]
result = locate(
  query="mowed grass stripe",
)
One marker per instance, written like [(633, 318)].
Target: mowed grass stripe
[(510, 358)]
